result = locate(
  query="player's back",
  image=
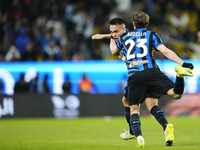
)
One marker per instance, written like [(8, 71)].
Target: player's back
[(139, 45)]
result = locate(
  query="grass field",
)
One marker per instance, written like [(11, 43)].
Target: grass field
[(93, 134)]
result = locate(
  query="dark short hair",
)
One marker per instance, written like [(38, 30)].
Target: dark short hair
[(119, 21)]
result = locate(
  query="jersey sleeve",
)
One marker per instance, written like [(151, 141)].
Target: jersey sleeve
[(119, 44), (156, 40)]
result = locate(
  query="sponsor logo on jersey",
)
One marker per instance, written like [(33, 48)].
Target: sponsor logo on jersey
[(135, 63)]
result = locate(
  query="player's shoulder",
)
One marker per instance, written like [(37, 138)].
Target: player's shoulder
[(123, 34), (152, 32)]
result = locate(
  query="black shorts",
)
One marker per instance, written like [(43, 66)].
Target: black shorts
[(148, 94), (147, 83)]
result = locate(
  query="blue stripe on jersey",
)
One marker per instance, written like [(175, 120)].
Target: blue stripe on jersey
[(138, 46), (119, 41)]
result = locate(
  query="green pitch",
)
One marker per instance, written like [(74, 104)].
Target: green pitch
[(93, 134)]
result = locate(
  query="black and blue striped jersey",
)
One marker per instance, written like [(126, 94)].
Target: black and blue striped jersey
[(138, 47)]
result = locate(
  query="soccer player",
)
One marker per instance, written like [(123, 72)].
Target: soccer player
[(117, 27), (145, 76)]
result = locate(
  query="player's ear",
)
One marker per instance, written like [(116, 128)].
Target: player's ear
[(134, 26), (124, 29), (147, 24)]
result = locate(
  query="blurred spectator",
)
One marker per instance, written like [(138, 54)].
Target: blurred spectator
[(85, 84), (65, 49), (13, 54), (162, 4), (150, 9), (67, 85), (79, 20), (57, 28), (22, 39), (188, 35), (69, 12), (21, 86), (40, 22), (78, 56), (113, 14), (198, 36), (55, 20), (45, 37), (17, 13), (179, 19), (124, 5), (38, 86), (4, 38), (30, 53), (22, 21), (52, 51)]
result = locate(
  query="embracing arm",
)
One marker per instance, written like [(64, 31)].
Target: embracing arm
[(101, 36), (113, 47), (170, 54)]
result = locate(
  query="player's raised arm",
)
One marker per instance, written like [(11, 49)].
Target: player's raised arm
[(113, 47), (101, 36)]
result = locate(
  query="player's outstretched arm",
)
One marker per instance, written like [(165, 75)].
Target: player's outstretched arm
[(101, 36), (173, 56), (170, 54), (108, 36)]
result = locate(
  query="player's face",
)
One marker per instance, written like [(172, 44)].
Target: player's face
[(116, 31)]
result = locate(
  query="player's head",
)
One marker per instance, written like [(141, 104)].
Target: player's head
[(140, 20), (117, 27)]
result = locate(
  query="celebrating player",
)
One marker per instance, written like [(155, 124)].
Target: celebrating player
[(117, 27), (145, 75)]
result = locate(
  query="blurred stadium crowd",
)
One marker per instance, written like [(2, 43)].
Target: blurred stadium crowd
[(42, 30)]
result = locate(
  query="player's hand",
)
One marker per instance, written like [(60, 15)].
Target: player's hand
[(124, 58), (188, 65)]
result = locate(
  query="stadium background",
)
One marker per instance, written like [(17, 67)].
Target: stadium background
[(70, 24)]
